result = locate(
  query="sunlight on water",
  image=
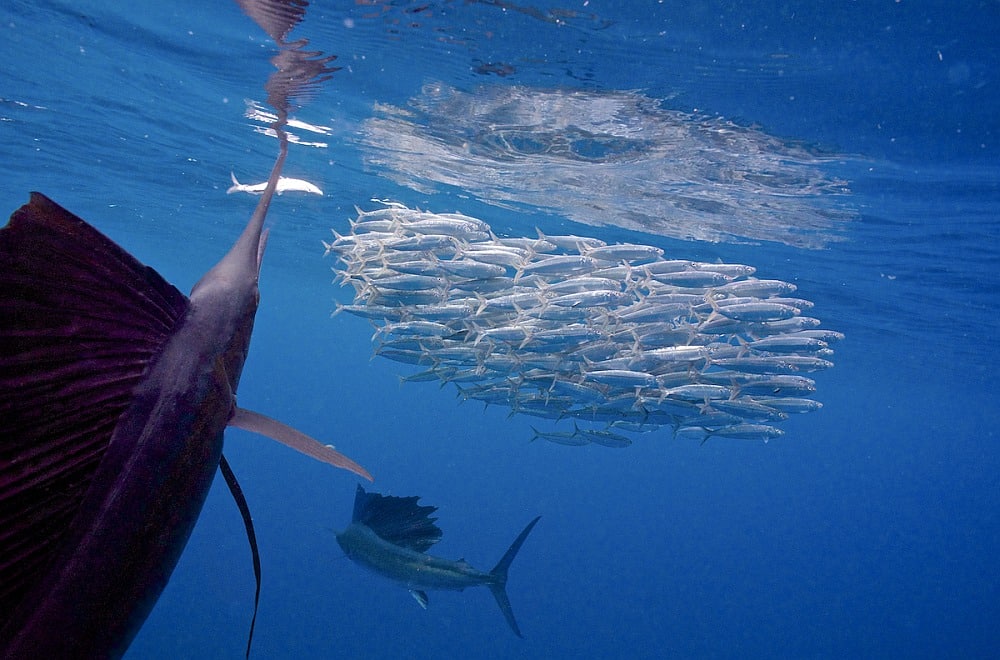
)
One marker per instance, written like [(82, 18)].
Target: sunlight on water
[(263, 119)]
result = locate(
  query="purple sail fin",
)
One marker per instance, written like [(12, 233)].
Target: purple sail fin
[(80, 320)]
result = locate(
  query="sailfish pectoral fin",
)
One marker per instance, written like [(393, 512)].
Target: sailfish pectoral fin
[(300, 442)]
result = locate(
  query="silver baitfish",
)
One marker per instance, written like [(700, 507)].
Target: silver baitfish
[(612, 338)]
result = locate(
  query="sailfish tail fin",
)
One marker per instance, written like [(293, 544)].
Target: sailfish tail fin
[(499, 585)]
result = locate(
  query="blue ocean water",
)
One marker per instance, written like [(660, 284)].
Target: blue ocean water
[(869, 530)]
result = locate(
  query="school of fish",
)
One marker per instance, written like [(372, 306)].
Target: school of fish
[(614, 337)]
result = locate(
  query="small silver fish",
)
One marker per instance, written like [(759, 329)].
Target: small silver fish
[(285, 184)]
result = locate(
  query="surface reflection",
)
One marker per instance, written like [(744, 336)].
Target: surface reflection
[(609, 158)]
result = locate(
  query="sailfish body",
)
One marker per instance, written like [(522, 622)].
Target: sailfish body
[(154, 473), (389, 535), (115, 391)]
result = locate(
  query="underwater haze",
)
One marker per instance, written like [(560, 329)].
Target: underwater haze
[(851, 149)]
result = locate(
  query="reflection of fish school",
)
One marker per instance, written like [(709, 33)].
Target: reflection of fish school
[(617, 158)]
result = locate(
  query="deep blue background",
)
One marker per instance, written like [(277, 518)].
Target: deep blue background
[(869, 530)]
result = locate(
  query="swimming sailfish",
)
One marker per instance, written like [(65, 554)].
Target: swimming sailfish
[(390, 535), (115, 391)]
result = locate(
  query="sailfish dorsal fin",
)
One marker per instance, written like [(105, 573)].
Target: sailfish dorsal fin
[(398, 520), (80, 320)]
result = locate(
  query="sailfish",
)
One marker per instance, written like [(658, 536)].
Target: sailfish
[(115, 391), (390, 536)]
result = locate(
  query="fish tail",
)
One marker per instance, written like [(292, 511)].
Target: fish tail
[(236, 187), (498, 587)]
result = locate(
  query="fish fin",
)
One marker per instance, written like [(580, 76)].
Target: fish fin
[(277, 19), (420, 597), (236, 187), (241, 504), (80, 321), (398, 520), (300, 442), (499, 573)]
